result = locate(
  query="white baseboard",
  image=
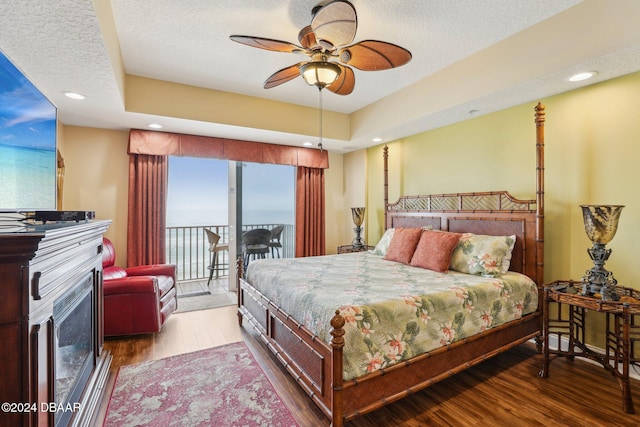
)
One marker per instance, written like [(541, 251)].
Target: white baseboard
[(553, 344)]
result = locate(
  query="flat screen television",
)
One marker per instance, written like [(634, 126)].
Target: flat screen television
[(28, 158)]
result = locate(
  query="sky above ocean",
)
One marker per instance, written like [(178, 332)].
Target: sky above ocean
[(199, 192)]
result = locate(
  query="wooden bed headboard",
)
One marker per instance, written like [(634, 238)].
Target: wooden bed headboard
[(495, 213)]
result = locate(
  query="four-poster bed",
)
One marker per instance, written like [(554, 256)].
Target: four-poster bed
[(320, 359)]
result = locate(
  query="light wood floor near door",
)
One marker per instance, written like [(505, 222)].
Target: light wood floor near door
[(502, 391)]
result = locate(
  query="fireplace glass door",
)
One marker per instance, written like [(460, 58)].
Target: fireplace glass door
[(74, 354)]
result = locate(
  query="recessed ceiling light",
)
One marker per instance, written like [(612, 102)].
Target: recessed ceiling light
[(155, 126), (307, 144), (582, 76), (74, 95), (377, 139)]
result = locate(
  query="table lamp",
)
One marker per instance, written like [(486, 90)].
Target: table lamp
[(600, 224), (358, 219)]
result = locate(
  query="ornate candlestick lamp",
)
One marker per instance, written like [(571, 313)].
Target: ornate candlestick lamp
[(600, 224), (358, 218)]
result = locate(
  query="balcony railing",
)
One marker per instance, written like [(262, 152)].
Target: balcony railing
[(188, 249)]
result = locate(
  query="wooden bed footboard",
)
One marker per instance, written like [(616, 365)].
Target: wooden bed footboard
[(317, 367), (307, 358)]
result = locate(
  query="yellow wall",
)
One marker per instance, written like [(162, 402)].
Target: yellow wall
[(334, 202), (96, 178), (591, 150), (162, 98), (355, 191), (591, 157)]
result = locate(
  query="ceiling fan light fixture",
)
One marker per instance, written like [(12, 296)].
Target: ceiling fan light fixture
[(328, 42), (320, 73)]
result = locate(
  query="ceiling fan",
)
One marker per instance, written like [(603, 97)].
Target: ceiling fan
[(325, 41)]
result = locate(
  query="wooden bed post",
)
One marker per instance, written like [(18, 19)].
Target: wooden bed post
[(540, 119), (337, 345), (385, 156)]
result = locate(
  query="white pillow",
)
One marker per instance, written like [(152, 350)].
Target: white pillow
[(383, 243)]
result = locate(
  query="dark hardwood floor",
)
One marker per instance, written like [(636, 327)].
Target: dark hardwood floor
[(502, 391)]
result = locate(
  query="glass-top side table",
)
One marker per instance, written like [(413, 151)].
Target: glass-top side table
[(568, 326), (346, 249)]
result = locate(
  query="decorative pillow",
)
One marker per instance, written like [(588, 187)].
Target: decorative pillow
[(383, 243), (483, 255), (506, 261), (403, 244), (434, 250)]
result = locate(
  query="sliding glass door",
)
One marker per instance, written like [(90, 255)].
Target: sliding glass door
[(197, 193), (228, 198), (266, 200), (197, 200)]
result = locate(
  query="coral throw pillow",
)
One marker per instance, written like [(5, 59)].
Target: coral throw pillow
[(434, 250), (403, 244)]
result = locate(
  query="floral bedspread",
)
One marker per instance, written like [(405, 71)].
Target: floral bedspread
[(393, 311)]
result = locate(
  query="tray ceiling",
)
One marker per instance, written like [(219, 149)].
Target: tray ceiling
[(469, 58)]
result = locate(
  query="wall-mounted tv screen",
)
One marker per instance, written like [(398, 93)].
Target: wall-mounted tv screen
[(27, 143)]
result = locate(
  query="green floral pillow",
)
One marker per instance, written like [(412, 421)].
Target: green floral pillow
[(483, 255)]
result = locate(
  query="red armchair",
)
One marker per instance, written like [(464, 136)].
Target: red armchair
[(137, 300)]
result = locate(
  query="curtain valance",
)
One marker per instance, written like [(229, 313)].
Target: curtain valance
[(173, 144)]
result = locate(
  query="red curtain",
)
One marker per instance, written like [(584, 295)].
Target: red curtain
[(147, 209), (148, 171), (310, 224)]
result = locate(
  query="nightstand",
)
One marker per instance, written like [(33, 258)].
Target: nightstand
[(622, 330), (346, 249)]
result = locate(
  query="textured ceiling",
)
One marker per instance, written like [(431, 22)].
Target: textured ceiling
[(194, 47), (481, 55)]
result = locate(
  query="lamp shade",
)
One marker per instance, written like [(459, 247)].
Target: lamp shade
[(601, 222), (320, 73), (358, 216)]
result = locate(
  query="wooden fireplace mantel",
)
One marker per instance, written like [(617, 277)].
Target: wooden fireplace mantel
[(38, 267)]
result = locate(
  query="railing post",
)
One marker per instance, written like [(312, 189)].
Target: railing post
[(239, 276)]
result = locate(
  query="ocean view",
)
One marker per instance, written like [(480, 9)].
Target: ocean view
[(27, 178), (208, 217), (198, 196), (198, 193)]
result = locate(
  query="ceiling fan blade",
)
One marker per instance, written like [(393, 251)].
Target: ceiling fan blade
[(307, 37), (283, 76), (267, 44), (335, 24), (345, 82), (373, 55)]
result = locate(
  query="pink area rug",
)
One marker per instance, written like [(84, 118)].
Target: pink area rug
[(222, 386)]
